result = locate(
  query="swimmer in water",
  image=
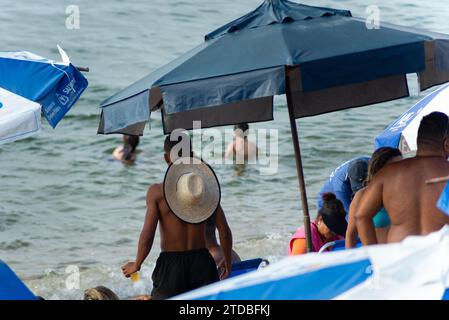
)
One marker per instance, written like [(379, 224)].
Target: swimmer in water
[(127, 152), (241, 147)]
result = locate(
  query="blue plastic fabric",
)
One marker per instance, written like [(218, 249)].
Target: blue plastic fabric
[(242, 267), (446, 295), (11, 287), (137, 111), (338, 184), (340, 245), (443, 202), (56, 87), (331, 47), (324, 284), (391, 136), (189, 95), (276, 11)]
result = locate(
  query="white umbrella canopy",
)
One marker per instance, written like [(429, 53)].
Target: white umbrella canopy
[(403, 132), (20, 118), (415, 269)]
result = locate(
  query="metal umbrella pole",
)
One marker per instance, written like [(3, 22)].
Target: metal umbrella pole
[(83, 69), (299, 167)]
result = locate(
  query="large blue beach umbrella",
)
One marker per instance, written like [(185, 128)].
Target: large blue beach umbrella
[(402, 133), (29, 85), (323, 59)]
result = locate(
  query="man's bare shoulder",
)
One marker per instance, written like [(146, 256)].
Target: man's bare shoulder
[(155, 191), (396, 167), (358, 196), (417, 162)]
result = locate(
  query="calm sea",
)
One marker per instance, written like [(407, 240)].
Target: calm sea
[(63, 202)]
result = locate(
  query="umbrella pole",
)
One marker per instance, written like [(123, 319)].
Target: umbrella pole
[(299, 168), (83, 69)]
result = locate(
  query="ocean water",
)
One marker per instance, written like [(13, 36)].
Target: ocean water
[(64, 204)]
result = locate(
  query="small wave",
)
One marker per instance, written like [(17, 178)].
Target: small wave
[(52, 285), (14, 245)]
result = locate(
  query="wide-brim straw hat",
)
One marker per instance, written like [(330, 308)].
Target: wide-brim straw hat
[(191, 190)]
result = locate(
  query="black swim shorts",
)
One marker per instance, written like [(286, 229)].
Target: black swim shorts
[(179, 272)]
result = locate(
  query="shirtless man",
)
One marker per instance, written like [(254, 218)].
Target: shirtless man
[(183, 245), (401, 187), (243, 149)]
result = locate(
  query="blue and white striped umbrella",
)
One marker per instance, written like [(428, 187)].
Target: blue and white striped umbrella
[(403, 132), (29, 85), (416, 268)]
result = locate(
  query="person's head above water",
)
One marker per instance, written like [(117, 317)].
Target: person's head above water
[(331, 219), (133, 141), (130, 144), (241, 130), (433, 133), (379, 159), (357, 172), (177, 145)]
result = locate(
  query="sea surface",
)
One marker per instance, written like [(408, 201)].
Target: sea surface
[(66, 206)]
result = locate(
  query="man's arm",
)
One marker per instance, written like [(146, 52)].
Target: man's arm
[(369, 206), (147, 235), (351, 231), (225, 235)]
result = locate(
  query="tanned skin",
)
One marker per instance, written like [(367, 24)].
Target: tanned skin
[(176, 235), (401, 188)]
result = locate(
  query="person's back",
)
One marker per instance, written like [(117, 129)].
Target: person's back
[(243, 149), (176, 235), (181, 205), (402, 190), (345, 181), (409, 200), (379, 159)]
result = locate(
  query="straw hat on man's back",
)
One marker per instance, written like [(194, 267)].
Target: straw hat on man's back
[(191, 190)]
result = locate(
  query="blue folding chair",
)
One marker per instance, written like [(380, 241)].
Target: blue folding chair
[(11, 287), (246, 266)]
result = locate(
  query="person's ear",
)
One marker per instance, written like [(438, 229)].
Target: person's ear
[(446, 146)]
